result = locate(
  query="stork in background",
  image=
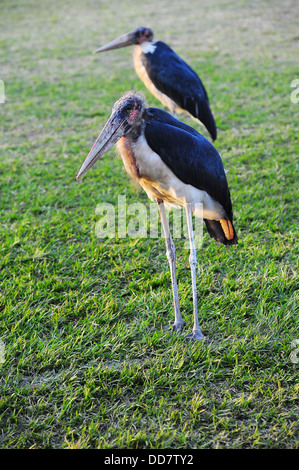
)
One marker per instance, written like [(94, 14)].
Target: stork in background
[(175, 165), (168, 77)]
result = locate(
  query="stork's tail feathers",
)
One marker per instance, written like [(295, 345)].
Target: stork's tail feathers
[(212, 128), (222, 230), (200, 109), (209, 122)]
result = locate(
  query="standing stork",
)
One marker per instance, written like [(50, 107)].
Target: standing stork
[(175, 165), (167, 76)]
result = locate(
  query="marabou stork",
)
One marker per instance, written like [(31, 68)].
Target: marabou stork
[(175, 165), (167, 76)]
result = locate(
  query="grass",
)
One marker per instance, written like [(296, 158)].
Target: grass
[(87, 361)]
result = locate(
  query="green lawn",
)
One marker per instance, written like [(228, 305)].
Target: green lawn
[(87, 362)]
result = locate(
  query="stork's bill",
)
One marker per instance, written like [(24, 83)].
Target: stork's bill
[(137, 36)]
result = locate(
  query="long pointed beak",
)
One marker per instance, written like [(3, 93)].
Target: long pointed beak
[(122, 41), (112, 132)]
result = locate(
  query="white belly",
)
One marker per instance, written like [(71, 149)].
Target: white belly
[(160, 182)]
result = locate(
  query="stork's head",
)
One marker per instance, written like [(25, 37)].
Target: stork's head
[(126, 118), (138, 36)]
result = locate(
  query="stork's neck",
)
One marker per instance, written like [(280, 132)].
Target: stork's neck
[(148, 47), (136, 131)]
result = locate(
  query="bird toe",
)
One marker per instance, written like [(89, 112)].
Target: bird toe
[(196, 335), (176, 326)]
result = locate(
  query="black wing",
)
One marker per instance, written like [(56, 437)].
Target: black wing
[(176, 79), (191, 157)]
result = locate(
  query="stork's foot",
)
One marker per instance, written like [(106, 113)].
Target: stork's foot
[(176, 327), (196, 335)]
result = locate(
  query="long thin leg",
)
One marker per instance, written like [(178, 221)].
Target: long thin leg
[(170, 252), (196, 332)]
